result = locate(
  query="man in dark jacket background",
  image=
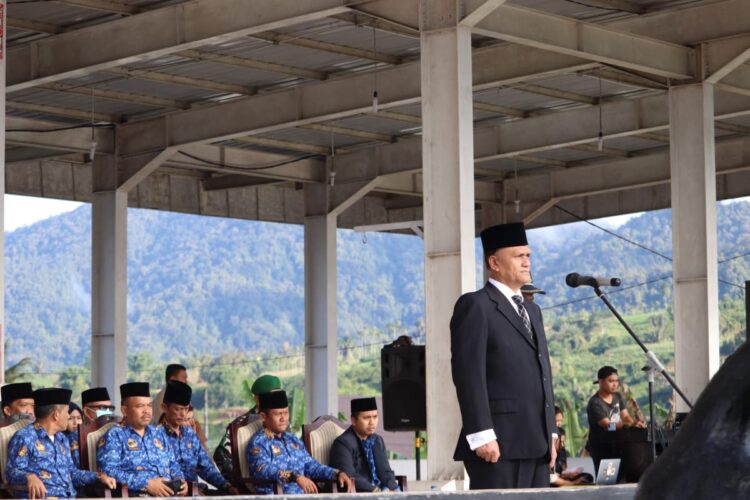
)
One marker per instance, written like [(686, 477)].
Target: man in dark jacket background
[(501, 371), (361, 453)]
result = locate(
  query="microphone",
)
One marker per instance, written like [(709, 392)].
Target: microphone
[(574, 280)]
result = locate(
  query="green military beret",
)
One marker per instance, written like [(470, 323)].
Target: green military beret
[(265, 384)]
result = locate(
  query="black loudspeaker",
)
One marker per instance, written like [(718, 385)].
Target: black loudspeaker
[(403, 382)]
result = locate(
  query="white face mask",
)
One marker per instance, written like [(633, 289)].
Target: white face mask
[(104, 412)]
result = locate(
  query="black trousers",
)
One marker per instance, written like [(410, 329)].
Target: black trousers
[(524, 473)]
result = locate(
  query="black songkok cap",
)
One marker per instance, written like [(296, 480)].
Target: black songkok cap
[(12, 392), (503, 236), (363, 404), (273, 400), (52, 396), (604, 372), (178, 393), (95, 394), (134, 389), (532, 288)]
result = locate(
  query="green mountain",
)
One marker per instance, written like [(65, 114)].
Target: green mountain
[(200, 285)]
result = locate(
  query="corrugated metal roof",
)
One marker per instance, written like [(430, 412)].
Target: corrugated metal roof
[(632, 143), (330, 31), (314, 137), (518, 99), (370, 123), (79, 102), (568, 155), (57, 14)]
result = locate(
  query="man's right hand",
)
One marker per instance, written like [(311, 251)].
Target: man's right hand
[(307, 485), (489, 452), (157, 488), (36, 486)]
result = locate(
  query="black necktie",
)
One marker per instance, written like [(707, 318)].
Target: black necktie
[(524, 315)]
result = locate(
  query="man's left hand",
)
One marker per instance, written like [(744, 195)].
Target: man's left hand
[(183, 491), (345, 482)]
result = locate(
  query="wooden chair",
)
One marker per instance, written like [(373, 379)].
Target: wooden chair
[(8, 427), (241, 433), (319, 436), (88, 436)]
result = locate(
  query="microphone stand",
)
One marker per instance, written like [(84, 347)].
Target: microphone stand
[(652, 426), (654, 365)]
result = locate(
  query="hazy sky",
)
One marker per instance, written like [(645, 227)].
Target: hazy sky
[(25, 210)]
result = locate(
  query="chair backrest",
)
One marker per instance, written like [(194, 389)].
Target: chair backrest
[(241, 435), (319, 436), (89, 436), (8, 428)]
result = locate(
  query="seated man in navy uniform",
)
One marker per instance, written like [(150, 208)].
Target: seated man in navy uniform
[(96, 403), (361, 453), (39, 454), (138, 454), (276, 455), (192, 456), (17, 399)]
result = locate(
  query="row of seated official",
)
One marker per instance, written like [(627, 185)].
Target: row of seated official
[(357, 457), (169, 459), (149, 460)]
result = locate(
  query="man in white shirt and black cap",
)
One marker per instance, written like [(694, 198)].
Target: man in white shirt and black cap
[(502, 373)]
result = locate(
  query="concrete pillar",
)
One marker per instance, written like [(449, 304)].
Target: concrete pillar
[(109, 289), (693, 171), (321, 340), (449, 232), (3, 16)]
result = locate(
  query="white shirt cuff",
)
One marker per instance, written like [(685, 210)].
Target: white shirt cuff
[(480, 438), (554, 435)]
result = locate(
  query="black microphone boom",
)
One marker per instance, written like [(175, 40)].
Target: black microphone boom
[(575, 280)]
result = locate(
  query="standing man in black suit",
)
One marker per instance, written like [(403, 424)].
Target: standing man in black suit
[(501, 371), (361, 453)]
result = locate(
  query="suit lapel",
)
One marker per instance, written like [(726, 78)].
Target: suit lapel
[(506, 309)]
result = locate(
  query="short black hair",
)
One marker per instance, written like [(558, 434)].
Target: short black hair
[(559, 410), (46, 410), (173, 370)]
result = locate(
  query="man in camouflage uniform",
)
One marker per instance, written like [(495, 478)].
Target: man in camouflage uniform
[(39, 454), (138, 454), (274, 454), (192, 457), (223, 452)]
